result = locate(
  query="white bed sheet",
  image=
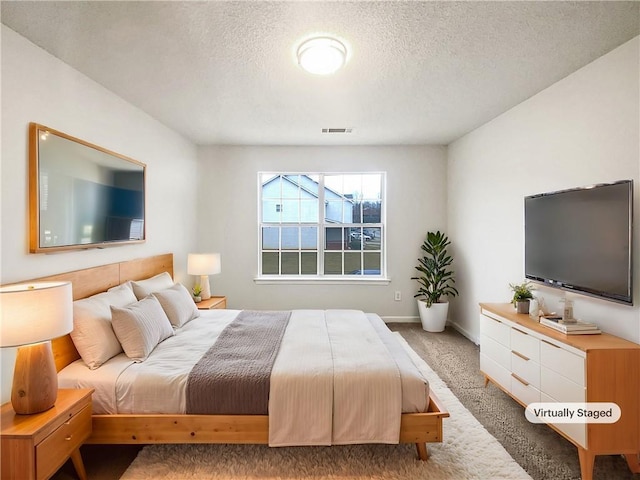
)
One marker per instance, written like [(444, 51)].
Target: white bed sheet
[(103, 380)]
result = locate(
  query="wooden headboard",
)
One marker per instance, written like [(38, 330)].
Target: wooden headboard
[(90, 281)]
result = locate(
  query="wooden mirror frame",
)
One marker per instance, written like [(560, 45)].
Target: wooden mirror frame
[(35, 224)]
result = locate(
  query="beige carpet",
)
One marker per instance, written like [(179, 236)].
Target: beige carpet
[(468, 452)]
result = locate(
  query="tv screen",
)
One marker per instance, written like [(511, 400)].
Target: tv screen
[(581, 240)]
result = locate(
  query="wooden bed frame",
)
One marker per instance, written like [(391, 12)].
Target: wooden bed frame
[(418, 428)]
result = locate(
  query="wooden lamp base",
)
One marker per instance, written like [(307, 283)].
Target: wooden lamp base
[(35, 381)]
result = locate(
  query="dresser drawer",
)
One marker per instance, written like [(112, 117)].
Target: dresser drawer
[(525, 344), (527, 370), (523, 390), (495, 351), (562, 361), (497, 372), (53, 451), (495, 329), (560, 388), (575, 431)]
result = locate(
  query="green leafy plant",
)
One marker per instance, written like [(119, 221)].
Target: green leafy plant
[(435, 279), (522, 291), (197, 290)]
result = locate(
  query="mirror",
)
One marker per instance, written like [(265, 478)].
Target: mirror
[(81, 195)]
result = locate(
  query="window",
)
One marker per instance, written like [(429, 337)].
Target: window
[(322, 225)]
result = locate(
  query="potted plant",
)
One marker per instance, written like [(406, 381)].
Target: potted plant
[(436, 282), (522, 293), (197, 291)]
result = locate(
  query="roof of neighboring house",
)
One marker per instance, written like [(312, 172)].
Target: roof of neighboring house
[(291, 179)]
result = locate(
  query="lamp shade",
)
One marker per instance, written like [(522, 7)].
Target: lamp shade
[(203, 263), (35, 312)]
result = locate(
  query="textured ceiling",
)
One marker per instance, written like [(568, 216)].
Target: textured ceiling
[(417, 73)]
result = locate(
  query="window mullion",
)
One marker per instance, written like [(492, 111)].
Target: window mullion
[(321, 224), (280, 247)]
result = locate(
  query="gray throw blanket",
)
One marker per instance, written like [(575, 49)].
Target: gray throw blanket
[(233, 377)]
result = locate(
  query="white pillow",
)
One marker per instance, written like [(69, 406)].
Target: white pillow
[(92, 332), (140, 327), (144, 288), (177, 304), (126, 284)]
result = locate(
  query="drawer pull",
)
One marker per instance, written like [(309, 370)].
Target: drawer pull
[(518, 354), (68, 437), (497, 321), (549, 343), (525, 383), (520, 331)]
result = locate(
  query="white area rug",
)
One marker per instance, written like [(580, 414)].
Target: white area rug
[(468, 452)]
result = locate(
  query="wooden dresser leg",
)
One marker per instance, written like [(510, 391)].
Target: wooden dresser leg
[(76, 458), (586, 463), (423, 453), (486, 381), (633, 460)]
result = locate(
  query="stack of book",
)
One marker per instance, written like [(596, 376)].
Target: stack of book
[(574, 328)]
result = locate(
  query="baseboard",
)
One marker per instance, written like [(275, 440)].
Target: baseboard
[(464, 332), (407, 319)]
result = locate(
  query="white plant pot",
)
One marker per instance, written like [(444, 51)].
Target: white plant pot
[(433, 318)]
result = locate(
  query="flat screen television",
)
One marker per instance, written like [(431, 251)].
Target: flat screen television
[(580, 240), (82, 195)]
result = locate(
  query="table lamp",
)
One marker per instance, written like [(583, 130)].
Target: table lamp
[(30, 316), (203, 264)]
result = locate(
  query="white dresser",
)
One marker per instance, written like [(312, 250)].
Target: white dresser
[(533, 363)]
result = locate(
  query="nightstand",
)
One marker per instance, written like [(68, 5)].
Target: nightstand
[(213, 302), (35, 446)]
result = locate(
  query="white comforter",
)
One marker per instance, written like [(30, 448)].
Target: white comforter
[(339, 378)]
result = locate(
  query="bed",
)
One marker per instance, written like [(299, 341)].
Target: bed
[(174, 427)]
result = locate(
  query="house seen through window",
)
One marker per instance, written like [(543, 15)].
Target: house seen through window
[(322, 224)]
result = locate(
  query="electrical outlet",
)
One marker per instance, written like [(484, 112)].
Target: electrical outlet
[(397, 296)]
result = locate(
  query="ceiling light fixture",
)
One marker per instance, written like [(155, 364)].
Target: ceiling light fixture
[(322, 55)]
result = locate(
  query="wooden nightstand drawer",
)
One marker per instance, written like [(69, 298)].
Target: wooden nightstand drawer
[(215, 302), (53, 451)]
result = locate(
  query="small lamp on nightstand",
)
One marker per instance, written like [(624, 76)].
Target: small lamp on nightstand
[(204, 264), (30, 316)]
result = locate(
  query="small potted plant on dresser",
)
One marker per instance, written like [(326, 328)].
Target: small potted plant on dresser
[(522, 294), (436, 282), (197, 291)]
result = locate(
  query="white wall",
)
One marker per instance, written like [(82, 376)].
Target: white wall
[(37, 87), (416, 195), (582, 130)]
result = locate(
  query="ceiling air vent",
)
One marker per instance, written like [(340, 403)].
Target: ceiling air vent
[(337, 130)]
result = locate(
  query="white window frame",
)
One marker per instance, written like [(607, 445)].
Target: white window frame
[(321, 278)]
